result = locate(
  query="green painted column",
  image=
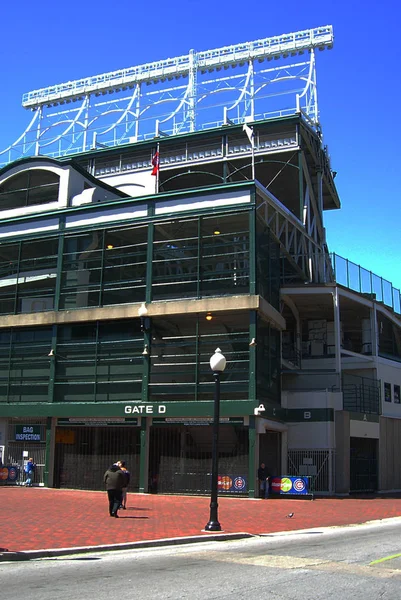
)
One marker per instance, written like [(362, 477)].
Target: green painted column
[(147, 333), (252, 248), (252, 391), (149, 257), (60, 254), (251, 458), (52, 365), (48, 451), (147, 342), (144, 456)]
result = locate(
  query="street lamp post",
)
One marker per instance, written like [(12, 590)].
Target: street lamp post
[(217, 364)]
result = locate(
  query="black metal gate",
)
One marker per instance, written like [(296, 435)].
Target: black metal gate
[(180, 457), (18, 452), (83, 454), (363, 465), (36, 451)]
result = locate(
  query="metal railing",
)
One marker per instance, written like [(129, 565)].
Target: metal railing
[(361, 394), (361, 280), (361, 399)]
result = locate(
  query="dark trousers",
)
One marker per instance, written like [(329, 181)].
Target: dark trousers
[(264, 488), (115, 499)]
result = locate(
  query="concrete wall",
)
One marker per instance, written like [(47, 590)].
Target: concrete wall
[(364, 429), (311, 434), (318, 435), (307, 399), (389, 372), (389, 454), (140, 183), (307, 381), (342, 437)]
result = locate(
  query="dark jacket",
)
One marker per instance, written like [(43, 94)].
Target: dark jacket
[(127, 476), (114, 478), (263, 474)]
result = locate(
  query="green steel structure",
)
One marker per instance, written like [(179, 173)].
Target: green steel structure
[(116, 287)]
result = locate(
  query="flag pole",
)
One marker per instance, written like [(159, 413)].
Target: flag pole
[(253, 156), (158, 169)]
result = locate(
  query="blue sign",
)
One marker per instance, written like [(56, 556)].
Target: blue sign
[(9, 474), (232, 483), (298, 486)]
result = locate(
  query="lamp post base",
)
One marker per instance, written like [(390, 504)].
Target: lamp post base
[(213, 526)]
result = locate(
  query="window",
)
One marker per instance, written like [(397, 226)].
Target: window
[(397, 394), (387, 392), (31, 187), (28, 272)]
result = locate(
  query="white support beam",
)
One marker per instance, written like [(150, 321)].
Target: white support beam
[(181, 66)]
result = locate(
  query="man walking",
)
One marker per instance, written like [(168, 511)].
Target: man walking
[(30, 472), (115, 480)]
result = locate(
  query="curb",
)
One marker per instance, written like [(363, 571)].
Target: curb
[(34, 554)]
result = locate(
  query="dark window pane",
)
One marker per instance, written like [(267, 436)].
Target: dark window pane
[(268, 266), (35, 186), (25, 364), (225, 255), (175, 260), (81, 271), (37, 275), (124, 274), (8, 276)]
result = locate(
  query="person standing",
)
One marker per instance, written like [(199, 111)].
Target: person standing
[(29, 472), (121, 464), (114, 479), (263, 477)]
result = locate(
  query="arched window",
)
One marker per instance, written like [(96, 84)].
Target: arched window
[(29, 188)]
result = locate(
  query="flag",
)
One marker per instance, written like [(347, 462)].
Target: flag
[(249, 132), (155, 163)]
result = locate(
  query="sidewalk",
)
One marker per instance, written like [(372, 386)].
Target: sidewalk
[(41, 519)]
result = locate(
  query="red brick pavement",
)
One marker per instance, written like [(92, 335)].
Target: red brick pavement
[(41, 518)]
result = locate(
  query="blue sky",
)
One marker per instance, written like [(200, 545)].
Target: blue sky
[(359, 85)]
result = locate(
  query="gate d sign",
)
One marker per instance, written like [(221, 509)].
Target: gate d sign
[(27, 433)]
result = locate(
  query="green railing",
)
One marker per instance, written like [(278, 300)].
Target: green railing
[(361, 394), (361, 280)]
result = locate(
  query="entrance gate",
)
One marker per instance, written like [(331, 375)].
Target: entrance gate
[(363, 465), (83, 454), (180, 457)]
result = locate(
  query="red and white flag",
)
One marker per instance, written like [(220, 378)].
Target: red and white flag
[(155, 163)]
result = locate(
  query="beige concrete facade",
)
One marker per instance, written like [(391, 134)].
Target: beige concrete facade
[(389, 454), (155, 309), (342, 434)]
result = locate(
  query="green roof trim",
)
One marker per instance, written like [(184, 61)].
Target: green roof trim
[(190, 192)]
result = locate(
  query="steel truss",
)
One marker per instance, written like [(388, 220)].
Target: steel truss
[(149, 100), (300, 243)]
